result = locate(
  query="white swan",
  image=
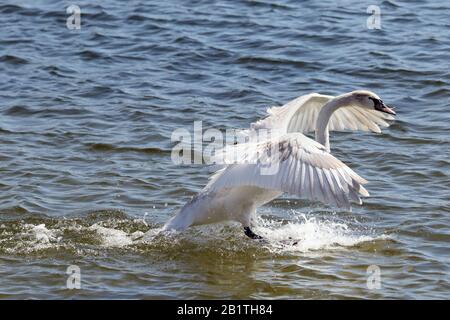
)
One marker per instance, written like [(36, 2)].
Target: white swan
[(305, 168)]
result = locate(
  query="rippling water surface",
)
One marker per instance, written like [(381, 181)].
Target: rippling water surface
[(86, 176)]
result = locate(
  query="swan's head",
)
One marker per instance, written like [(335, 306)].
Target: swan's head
[(371, 101)]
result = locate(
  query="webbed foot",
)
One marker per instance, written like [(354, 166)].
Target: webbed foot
[(249, 233)]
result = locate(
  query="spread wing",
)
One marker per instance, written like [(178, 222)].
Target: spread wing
[(300, 115), (291, 163)]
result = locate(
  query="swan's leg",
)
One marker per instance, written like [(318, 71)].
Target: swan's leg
[(249, 233), (245, 218)]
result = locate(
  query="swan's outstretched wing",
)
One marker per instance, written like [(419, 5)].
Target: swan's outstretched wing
[(292, 163), (300, 115)]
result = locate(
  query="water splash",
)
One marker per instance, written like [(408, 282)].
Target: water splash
[(111, 230), (307, 234), (111, 237)]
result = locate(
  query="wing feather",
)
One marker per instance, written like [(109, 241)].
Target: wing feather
[(303, 168), (300, 115)]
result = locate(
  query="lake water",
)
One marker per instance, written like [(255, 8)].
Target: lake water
[(86, 176)]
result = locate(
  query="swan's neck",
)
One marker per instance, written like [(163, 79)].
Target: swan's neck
[(322, 135)]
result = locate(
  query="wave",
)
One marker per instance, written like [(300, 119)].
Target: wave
[(10, 9), (106, 147), (275, 61), (92, 55), (115, 230), (14, 60), (21, 111)]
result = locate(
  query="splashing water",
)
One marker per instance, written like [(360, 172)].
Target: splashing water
[(111, 237), (303, 233), (306, 234)]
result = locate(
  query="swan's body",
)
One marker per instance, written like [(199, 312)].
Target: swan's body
[(237, 204), (287, 161)]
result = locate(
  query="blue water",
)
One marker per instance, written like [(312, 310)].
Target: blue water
[(85, 147)]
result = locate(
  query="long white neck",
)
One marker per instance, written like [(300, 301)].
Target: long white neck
[(322, 135)]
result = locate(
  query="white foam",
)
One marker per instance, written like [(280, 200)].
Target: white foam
[(36, 237), (112, 237), (310, 234), (41, 234)]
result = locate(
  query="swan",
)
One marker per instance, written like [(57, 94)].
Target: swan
[(304, 167)]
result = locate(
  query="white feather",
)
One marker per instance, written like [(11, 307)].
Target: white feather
[(295, 151)]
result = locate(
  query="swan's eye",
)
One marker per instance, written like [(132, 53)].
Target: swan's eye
[(375, 102)]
